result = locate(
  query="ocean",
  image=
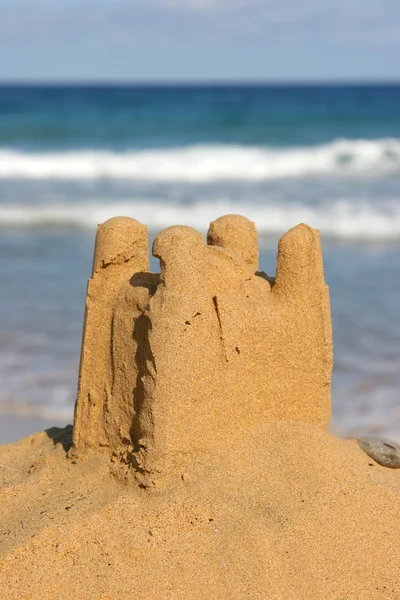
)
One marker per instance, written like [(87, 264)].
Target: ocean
[(73, 156)]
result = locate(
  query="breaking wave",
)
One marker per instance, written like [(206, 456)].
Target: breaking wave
[(340, 219), (207, 163)]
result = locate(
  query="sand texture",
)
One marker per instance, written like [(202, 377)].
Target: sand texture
[(199, 466)]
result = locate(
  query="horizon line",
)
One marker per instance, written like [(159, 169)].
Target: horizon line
[(198, 83)]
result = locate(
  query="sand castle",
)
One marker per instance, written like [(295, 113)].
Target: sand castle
[(175, 363), (208, 387)]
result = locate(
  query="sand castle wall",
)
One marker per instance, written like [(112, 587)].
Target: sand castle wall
[(175, 364)]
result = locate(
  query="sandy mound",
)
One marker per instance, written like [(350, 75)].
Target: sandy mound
[(287, 511)]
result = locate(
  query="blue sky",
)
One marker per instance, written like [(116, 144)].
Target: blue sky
[(197, 40)]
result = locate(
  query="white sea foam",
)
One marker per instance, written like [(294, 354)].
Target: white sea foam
[(207, 163), (340, 219)]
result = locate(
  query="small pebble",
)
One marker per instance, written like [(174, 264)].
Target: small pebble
[(383, 451)]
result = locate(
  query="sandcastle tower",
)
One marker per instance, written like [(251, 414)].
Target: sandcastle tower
[(175, 364)]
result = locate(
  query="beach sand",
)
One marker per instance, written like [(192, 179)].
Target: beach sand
[(200, 466), (286, 512)]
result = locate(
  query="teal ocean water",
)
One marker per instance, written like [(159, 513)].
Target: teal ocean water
[(73, 156)]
